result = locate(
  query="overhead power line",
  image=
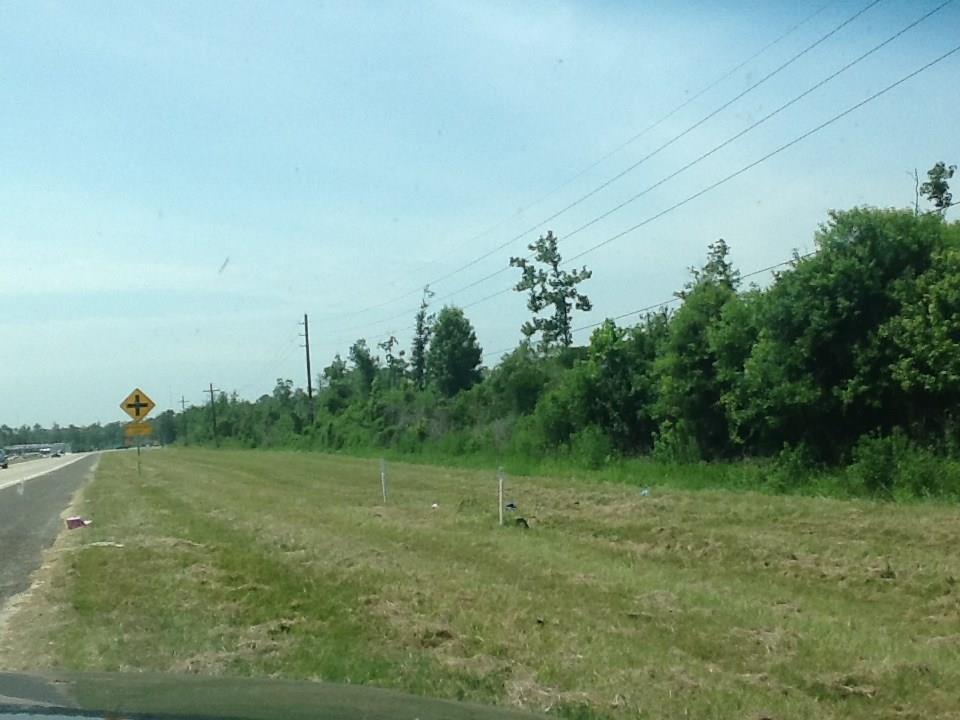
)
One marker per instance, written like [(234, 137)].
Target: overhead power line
[(692, 163), (703, 156), (663, 303), (749, 166), (772, 153), (663, 146), (629, 141), (654, 306), (276, 362), (761, 121)]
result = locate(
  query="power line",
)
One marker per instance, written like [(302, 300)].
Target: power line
[(670, 301), (281, 357), (665, 145), (749, 166), (655, 152), (759, 122), (662, 303), (723, 144), (727, 178), (632, 139), (674, 299), (769, 155)]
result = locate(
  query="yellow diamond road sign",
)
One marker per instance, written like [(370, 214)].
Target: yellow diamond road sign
[(137, 405)]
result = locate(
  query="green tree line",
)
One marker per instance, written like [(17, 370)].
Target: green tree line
[(80, 437), (851, 356)]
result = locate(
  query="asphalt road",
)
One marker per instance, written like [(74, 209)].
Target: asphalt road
[(32, 497)]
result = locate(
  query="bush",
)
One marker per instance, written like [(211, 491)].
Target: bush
[(874, 467), (674, 444), (888, 466), (792, 468), (527, 440), (591, 447)]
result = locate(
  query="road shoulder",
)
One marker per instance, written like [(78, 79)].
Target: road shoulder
[(33, 613)]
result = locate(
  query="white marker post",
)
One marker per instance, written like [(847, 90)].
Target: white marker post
[(500, 492), (383, 479)]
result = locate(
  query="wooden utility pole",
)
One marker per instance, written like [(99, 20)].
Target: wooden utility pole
[(306, 345), (183, 411), (213, 413)]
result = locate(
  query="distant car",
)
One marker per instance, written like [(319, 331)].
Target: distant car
[(57, 454), (3, 459)]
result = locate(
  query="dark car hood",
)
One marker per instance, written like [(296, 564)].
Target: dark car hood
[(145, 695)]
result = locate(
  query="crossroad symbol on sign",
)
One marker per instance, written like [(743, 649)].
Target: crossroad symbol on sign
[(137, 405)]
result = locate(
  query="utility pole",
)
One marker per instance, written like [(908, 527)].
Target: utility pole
[(213, 412), (306, 345), (183, 414)]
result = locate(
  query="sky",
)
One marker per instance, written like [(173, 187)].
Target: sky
[(180, 182)]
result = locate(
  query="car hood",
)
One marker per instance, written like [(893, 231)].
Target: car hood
[(117, 695)]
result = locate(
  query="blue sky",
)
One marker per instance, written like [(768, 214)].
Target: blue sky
[(182, 181)]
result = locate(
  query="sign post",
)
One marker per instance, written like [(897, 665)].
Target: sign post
[(383, 479), (500, 492), (137, 405)]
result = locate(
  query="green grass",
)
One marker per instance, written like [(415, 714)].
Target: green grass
[(759, 475), (707, 604)]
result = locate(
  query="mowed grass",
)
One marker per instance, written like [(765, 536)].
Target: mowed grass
[(679, 604)]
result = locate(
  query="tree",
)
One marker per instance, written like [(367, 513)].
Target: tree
[(166, 427), (820, 371), (453, 359), (364, 366), (623, 390), (936, 189), (690, 392), (550, 287), (336, 390), (421, 340), (927, 334), (334, 372), (718, 270), (396, 363), (517, 383)]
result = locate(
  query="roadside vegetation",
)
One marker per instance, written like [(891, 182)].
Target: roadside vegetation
[(613, 604), (841, 376)]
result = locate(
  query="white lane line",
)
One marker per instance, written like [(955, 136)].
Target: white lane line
[(25, 478)]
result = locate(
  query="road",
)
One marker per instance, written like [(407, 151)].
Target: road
[(32, 497)]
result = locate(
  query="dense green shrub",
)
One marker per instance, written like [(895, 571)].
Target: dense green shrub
[(675, 444), (590, 447), (792, 468), (893, 466)]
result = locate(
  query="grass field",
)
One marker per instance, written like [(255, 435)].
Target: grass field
[(678, 604)]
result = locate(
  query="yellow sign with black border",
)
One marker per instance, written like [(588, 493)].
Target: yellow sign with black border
[(137, 405)]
